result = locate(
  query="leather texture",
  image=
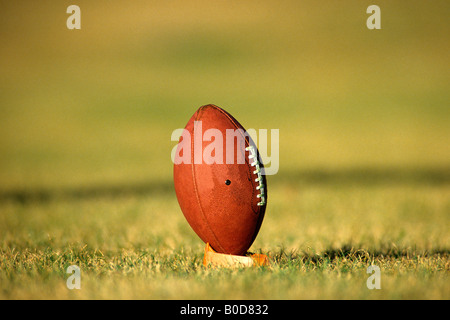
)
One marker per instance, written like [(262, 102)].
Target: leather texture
[(226, 216)]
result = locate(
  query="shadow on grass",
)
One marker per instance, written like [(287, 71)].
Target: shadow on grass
[(366, 176), (90, 192), (356, 176), (349, 253)]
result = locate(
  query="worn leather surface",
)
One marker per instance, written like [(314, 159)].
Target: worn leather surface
[(225, 216)]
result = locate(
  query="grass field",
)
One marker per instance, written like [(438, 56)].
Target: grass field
[(87, 116)]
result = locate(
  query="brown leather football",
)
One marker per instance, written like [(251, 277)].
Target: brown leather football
[(218, 181)]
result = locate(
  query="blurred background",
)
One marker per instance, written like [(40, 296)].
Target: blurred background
[(86, 118), (97, 106)]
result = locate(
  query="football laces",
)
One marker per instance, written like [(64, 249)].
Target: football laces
[(253, 157)]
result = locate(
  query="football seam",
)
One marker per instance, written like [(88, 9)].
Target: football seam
[(247, 141), (196, 190), (260, 210)]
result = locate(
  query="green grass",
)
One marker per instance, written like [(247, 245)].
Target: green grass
[(146, 274), (139, 246), (85, 126)]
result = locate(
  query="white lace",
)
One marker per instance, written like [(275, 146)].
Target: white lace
[(253, 155)]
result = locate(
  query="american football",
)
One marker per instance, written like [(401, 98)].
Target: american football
[(120, 181), (221, 191)]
